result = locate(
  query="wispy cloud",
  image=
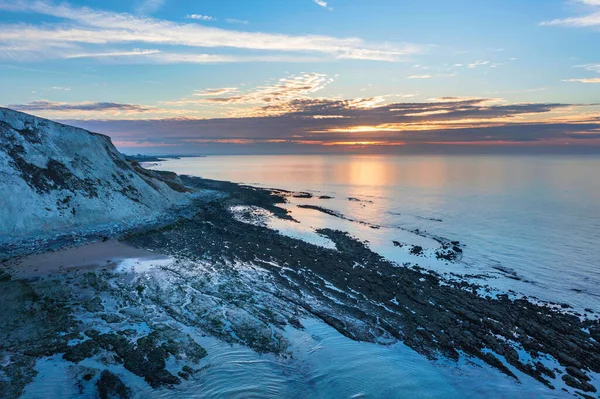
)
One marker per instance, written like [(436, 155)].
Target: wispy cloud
[(216, 92), (583, 80), (280, 92), (592, 18), (131, 53), (478, 63), (236, 21), (142, 144), (589, 67), (193, 58), (576, 22), (323, 4), (89, 28), (201, 17), (209, 18), (431, 76), (420, 77), (150, 6), (84, 106), (159, 57)]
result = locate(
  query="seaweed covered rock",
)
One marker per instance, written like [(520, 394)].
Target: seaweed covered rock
[(111, 387)]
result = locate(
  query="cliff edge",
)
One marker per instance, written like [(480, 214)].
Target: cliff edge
[(57, 179)]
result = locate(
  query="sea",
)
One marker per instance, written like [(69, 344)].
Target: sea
[(529, 226), (535, 218)]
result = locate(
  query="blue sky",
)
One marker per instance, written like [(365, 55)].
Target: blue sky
[(342, 73)]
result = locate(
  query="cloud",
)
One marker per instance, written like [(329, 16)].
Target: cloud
[(155, 56), (215, 92), (405, 116), (281, 91), (161, 57), (88, 28), (209, 18), (191, 58), (583, 80), (576, 22), (61, 88), (150, 6), (300, 121), (583, 21), (323, 4), (236, 21), (478, 63), (113, 54), (590, 67), (84, 106), (442, 75), (201, 17), (142, 144)]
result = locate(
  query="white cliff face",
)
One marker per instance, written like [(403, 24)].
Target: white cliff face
[(56, 178)]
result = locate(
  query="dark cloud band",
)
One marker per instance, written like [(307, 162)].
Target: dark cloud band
[(98, 106)]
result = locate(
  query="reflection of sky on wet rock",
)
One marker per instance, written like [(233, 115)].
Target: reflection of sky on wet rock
[(262, 217), (323, 363)]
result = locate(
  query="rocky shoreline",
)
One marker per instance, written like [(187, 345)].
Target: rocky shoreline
[(244, 283)]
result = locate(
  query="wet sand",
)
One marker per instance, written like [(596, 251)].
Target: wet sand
[(81, 258)]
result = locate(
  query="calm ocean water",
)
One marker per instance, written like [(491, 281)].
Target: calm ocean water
[(534, 217), (531, 223)]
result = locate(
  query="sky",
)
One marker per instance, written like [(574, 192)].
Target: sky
[(304, 76)]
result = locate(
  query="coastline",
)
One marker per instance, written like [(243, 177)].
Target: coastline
[(268, 283)]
